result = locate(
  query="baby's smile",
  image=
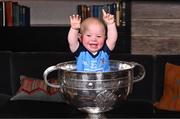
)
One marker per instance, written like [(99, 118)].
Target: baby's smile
[(93, 45)]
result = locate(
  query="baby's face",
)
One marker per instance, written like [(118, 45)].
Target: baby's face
[(93, 38)]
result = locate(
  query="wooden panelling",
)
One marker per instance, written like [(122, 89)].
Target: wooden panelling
[(155, 27), (155, 45), (156, 9)]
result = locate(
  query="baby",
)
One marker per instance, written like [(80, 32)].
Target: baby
[(91, 46)]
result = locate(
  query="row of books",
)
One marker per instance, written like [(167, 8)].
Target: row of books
[(115, 8), (14, 14)]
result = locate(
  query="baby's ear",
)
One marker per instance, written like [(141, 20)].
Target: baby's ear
[(80, 37)]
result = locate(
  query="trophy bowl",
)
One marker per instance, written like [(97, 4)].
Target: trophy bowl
[(96, 92)]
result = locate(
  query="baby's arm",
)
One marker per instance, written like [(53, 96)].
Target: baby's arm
[(111, 30), (75, 21)]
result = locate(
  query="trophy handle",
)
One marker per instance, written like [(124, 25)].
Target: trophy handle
[(141, 73), (45, 74)]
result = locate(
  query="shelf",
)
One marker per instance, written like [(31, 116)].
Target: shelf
[(50, 25), (55, 12)]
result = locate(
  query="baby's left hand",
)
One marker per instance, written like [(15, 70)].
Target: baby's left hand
[(108, 18), (75, 21)]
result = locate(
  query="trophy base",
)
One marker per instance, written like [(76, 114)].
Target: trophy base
[(94, 112), (96, 116)]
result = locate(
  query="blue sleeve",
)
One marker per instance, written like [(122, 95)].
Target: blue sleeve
[(106, 49), (79, 50)]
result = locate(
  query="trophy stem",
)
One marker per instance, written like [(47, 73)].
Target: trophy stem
[(96, 116)]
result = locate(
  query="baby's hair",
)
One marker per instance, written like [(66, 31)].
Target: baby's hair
[(89, 21)]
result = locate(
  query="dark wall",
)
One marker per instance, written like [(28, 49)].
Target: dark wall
[(47, 39), (34, 39)]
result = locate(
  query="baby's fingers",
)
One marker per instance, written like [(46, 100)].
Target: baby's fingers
[(74, 17), (104, 12), (111, 16)]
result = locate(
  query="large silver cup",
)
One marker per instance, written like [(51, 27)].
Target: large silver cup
[(96, 92)]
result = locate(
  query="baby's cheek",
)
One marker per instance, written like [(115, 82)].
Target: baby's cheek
[(101, 42)]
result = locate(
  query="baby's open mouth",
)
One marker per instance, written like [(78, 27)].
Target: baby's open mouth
[(93, 45)]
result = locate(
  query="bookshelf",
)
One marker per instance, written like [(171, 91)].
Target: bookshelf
[(49, 25), (14, 14)]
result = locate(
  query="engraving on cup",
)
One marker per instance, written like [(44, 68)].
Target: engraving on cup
[(105, 99)]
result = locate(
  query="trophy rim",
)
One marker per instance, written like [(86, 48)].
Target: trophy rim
[(130, 66)]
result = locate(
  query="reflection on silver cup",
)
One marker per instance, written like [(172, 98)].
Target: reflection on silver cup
[(96, 92)]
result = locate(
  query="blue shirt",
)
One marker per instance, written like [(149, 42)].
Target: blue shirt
[(88, 62)]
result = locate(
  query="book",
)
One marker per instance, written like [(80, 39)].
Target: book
[(123, 13), (95, 10), (84, 9), (88, 12), (24, 15), (99, 14), (20, 15), (118, 13), (1, 13), (79, 11), (27, 16), (16, 14), (113, 8), (9, 13)]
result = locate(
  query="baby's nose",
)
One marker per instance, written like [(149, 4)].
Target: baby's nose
[(93, 38)]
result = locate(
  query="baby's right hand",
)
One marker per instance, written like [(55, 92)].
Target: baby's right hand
[(108, 18), (75, 21)]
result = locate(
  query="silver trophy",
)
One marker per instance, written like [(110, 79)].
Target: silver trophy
[(96, 92)]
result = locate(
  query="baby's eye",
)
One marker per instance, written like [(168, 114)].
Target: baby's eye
[(88, 35), (99, 36)]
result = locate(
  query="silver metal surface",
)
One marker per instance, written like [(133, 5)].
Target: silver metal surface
[(96, 92)]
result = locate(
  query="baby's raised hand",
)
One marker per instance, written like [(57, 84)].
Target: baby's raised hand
[(75, 21), (107, 17)]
